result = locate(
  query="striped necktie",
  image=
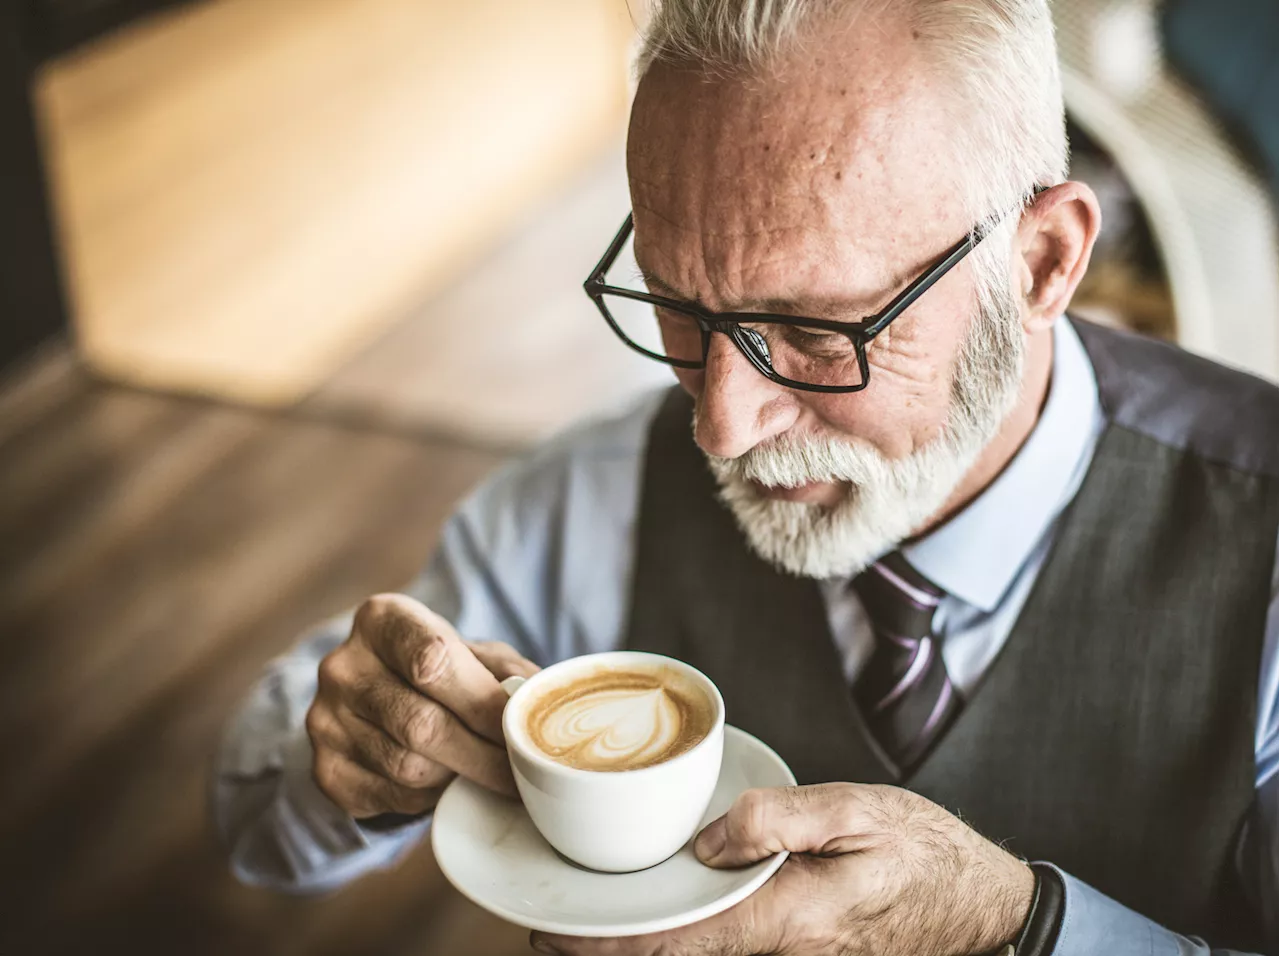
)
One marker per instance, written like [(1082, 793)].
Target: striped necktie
[(904, 692)]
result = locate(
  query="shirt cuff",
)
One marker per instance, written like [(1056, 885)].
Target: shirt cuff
[(1093, 923)]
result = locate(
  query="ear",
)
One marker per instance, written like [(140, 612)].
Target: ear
[(1055, 238)]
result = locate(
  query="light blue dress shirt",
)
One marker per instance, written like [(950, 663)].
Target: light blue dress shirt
[(540, 556)]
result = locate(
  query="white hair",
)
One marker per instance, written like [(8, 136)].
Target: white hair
[(997, 58)]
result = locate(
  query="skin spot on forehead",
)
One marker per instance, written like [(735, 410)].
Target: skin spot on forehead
[(743, 180)]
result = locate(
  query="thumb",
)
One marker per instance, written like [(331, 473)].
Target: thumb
[(800, 819)]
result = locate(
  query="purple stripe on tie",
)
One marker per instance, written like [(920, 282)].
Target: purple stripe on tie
[(939, 708), (915, 670), (908, 643), (920, 598)]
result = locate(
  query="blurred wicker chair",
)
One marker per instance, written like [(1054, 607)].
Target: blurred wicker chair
[(1210, 217)]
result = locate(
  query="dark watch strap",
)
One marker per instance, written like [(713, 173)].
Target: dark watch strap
[(1039, 934)]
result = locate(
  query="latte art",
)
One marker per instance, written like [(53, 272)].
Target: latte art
[(620, 720)]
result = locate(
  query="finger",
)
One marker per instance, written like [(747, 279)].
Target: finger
[(817, 819), (430, 730), (347, 734), (502, 660), (376, 750), (425, 650), (362, 793), (756, 925)]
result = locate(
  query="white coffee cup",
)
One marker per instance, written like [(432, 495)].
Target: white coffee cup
[(613, 821)]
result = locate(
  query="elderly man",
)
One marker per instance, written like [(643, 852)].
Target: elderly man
[(973, 568)]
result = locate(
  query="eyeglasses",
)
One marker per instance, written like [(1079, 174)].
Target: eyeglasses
[(813, 355)]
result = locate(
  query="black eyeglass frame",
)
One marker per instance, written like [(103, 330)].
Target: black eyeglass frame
[(859, 333)]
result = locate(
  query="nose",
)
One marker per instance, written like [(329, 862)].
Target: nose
[(736, 407)]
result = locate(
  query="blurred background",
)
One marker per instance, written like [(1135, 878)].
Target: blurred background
[(281, 281)]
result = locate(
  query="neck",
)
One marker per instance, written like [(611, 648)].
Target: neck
[(1013, 433)]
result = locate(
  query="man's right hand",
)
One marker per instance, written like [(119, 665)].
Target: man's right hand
[(403, 706)]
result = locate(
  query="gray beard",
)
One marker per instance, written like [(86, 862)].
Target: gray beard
[(888, 500)]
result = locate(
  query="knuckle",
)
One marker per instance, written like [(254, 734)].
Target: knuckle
[(371, 610), (752, 815), (425, 727), (891, 809), (324, 769), (331, 671), (403, 765), (314, 724), (853, 813), (429, 662)]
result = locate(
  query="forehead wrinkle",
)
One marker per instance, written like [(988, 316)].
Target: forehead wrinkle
[(803, 298), (800, 302), (718, 285), (723, 281), (825, 161), (723, 288)]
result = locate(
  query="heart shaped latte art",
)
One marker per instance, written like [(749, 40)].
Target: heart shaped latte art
[(626, 723)]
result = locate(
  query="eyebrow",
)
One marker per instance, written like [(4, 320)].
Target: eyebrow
[(855, 309)]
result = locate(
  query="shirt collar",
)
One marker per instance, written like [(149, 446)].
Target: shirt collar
[(976, 555)]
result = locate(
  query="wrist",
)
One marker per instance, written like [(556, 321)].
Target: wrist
[(1039, 935), (1008, 907), (1018, 903)]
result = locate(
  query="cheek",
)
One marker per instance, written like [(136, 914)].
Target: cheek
[(903, 407), (906, 401)]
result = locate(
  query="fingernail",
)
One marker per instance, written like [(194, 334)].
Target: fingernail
[(542, 946), (711, 841)]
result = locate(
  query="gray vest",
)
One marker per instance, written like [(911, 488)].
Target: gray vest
[(1114, 733)]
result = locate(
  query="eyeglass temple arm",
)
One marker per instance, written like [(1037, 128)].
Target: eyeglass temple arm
[(597, 274), (943, 266), (922, 285)]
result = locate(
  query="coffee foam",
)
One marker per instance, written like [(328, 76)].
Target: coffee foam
[(619, 719)]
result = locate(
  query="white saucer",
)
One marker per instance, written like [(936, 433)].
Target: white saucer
[(487, 847)]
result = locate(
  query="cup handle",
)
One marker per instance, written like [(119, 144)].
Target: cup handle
[(512, 684)]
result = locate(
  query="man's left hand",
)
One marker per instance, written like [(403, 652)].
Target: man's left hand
[(874, 869)]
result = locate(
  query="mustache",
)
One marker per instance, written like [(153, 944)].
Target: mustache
[(786, 462)]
